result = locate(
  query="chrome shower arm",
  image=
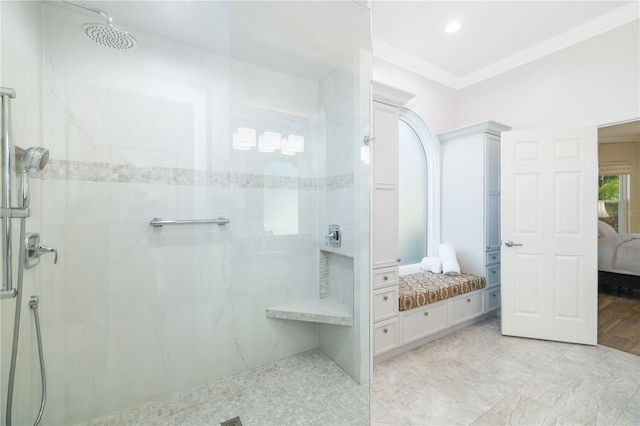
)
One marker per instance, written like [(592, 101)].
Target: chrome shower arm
[(100, 12)]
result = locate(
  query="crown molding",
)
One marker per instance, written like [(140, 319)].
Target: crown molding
[(606, 22), (612, 120), (390, 95), (388, 53)]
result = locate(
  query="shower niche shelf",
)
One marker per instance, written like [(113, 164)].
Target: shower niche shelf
[(325, 310)]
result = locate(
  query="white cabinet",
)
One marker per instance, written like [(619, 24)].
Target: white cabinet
[(384, 150), (421, 322), (385, 336), (466, 307), (385, 247), (471, 200), (384, 240)]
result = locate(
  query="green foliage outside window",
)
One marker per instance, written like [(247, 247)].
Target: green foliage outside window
[(609, 191)]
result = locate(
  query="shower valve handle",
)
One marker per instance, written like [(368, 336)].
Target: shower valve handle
[(42, 249)]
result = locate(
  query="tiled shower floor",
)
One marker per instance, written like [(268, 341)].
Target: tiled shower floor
[(305, 389)]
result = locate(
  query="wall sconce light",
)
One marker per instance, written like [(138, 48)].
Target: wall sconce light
[(262, 145), (296, 143), (246, 137), (237, 145)]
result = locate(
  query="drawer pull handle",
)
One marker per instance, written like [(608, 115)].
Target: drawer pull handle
[(387, 297), (493, 272), (385, 330), (398, 260), (426, 314), (385, 278), (494, 295), (468, 300)]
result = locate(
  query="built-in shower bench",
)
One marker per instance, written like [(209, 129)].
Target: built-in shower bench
[(334, 304), (326, 311)]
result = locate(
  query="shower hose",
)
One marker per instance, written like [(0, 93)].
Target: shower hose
[(33, 303)]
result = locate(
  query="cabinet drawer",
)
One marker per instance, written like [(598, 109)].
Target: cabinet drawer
[(465, 307), (491, 257), (385, 336), (418, 323), (385, 303), (493, 299), (385, 277), (493, 276)]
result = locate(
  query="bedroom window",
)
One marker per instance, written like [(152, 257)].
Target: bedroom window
[(614, 191)]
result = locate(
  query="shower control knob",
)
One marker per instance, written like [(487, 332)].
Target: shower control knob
[(42, 249), (33, 250)]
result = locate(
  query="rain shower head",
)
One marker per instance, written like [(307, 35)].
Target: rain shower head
[(34, 158), (106, 34), (110, 36)]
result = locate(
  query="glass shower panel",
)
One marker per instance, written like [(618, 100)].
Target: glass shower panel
[(252, 111)]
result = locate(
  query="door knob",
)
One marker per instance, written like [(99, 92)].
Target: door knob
[(510, 243)]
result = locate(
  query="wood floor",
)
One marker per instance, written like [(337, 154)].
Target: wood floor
[(619, 320)]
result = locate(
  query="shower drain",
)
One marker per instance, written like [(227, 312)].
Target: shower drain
[(232, 422)]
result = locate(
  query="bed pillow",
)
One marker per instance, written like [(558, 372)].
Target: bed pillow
[(605, 230)]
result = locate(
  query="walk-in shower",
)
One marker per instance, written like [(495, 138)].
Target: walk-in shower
[(242, 122)]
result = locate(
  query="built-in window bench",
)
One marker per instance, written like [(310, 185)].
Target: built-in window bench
[(431, 306), (325, 310)]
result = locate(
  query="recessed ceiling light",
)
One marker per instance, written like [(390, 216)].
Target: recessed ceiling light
[(452, 27)]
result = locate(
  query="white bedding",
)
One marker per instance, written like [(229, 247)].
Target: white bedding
[(620, 254)]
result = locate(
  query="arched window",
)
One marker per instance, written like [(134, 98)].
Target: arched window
[(419, 191)]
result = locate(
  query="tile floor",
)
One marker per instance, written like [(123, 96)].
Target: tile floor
[(477, 376), (474, 376), (305, 389)]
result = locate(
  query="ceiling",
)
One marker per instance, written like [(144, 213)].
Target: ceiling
[(495, 35), (626, 132)]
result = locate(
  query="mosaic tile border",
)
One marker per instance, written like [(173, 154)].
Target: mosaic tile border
[(124, 173), (324, 274)]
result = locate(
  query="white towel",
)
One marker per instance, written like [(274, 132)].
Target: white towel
[(431, 264), (450, 263)]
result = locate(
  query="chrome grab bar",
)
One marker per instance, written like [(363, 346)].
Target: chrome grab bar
[(159, 222)]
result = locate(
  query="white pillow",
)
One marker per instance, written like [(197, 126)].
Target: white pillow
[(605, 230), (450, 266), (431, 264), (450, 263)]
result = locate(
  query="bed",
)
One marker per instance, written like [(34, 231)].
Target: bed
[(618, 258)]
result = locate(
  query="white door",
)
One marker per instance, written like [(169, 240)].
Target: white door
[(549, 234)]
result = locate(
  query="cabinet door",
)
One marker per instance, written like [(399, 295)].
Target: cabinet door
[(385, 226), (385, 186), (384, 145), (492, 163), (492, 221)]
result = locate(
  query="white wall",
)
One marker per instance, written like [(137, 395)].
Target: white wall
[(596, 78), (435, 103)]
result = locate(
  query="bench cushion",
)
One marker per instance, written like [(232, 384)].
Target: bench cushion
[(422, 288)]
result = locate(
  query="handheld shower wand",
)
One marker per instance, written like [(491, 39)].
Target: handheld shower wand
[(34, 158)]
